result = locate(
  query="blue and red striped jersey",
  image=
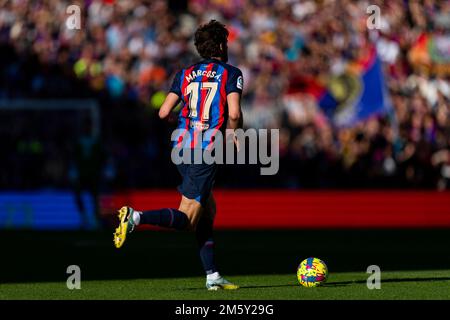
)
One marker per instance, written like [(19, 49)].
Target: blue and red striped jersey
[(203, 89)]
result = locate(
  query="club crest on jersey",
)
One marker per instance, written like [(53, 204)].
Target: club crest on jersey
[(203, 73), (240, 82)]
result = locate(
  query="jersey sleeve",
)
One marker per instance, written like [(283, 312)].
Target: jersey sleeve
[(176, 84), (235, 81)]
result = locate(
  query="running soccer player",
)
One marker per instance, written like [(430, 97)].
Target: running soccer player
[(210, 93)]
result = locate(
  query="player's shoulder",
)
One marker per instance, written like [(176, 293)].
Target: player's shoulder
[(235, 79)]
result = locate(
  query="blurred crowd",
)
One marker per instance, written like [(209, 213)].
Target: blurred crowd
[(127, 51)]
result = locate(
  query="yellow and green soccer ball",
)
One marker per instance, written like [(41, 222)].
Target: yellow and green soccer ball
[(312, 272)]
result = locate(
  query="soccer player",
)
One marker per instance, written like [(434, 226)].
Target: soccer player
[(210, 93)]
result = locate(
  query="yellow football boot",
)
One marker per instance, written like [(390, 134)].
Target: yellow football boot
[(220, 284), (126, 225)]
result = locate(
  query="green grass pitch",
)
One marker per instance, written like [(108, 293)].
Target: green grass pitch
[(415, 264), (395, 285)]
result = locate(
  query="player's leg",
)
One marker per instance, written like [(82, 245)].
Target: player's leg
[(184, 218), (204, 235), (193, 210)]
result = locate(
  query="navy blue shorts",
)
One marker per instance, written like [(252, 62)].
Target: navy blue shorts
[(198, 180)]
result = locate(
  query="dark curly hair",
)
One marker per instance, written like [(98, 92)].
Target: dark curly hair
[(208, 39)]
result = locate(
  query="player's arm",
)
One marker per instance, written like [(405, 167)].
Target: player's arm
[(235, 119), (169, 103), (173, 98), (234, 87)]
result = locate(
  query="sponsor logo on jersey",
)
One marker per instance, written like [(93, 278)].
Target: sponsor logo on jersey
[(198, 125)]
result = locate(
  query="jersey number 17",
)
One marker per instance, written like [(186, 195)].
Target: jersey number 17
[(193, 91)]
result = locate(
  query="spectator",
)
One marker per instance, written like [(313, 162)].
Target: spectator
[(128, 51)]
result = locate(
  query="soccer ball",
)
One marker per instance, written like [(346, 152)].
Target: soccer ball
[(312, 272)]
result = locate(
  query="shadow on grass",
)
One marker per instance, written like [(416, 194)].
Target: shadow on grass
[(248, 287), (338, 284), (396, 280)]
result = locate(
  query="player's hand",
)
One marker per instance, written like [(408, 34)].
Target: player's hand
[(236, 143), (231, 137)]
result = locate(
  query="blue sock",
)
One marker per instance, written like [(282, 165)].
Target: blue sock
[(167, 217), (205, 242)]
